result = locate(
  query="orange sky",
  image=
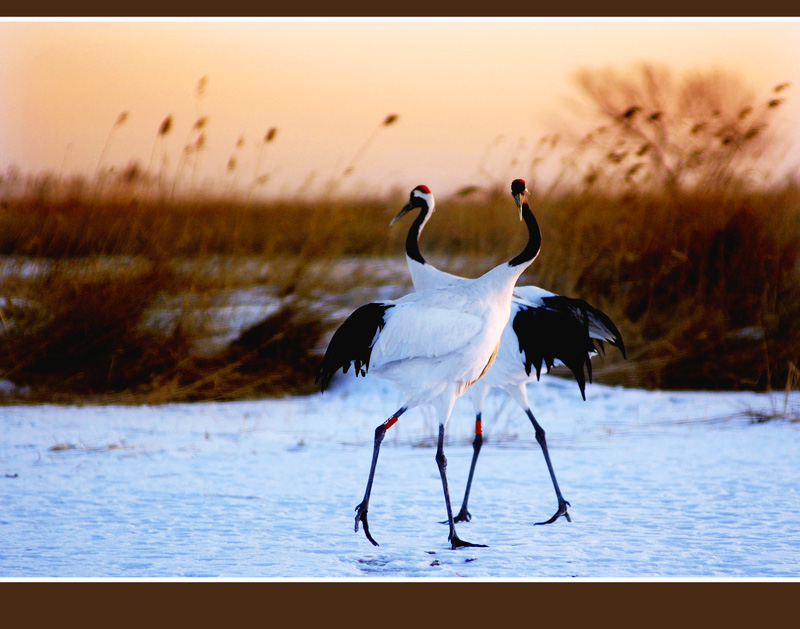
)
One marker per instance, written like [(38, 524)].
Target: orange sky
[(326, 85)]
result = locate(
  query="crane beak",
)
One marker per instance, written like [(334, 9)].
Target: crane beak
[(407, 208), (518, 201)]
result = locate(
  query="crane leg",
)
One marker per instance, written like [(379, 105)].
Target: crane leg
[(540, 438), (463, 515), (441, 462), (361, 509)]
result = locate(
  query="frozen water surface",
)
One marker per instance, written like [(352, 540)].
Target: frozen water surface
[(662, 485)]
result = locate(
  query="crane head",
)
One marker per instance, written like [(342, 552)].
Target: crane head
[(420, 197), (520, 193)]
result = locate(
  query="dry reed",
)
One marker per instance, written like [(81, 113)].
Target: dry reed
[(653, 219)]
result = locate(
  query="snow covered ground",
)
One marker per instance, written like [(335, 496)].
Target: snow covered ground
[(662, 485)]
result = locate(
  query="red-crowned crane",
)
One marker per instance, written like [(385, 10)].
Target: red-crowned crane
[(433, 345), (543, 328)]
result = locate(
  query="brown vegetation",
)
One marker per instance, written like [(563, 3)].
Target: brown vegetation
[(656, 221), (705, 290)]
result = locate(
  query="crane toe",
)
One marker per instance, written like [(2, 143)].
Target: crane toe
[(462, 516), (456, 542), (562, 510), (361, 516)]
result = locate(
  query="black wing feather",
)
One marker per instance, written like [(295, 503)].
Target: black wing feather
[(352, 342), (546, 335), (565, 329), (597, 321)]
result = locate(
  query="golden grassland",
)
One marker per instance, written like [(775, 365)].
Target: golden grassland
[(656, 219), (704, 288)]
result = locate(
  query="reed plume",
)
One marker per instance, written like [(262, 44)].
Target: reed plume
[(120, 121), (350, 168), (261, 179)]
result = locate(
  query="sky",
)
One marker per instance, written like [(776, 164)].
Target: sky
[(470, 95)]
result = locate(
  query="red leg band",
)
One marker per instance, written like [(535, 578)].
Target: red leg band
[(390, 422), (478, 428)]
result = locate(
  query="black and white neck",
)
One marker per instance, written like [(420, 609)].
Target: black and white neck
[(420, 198), (520, 193)]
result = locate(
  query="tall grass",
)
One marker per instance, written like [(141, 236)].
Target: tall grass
[(80, 331), (705, 289), (698, 267), (86, 330)]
